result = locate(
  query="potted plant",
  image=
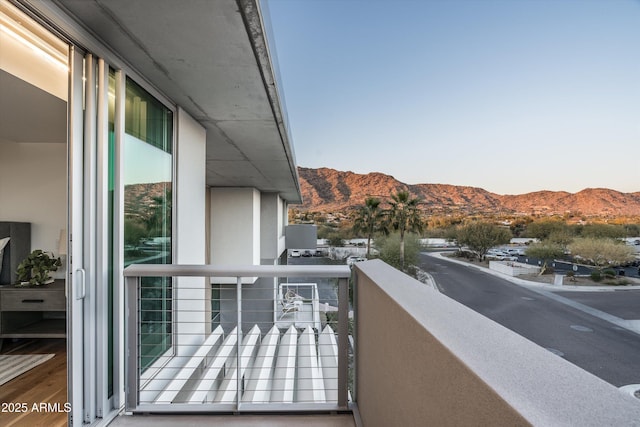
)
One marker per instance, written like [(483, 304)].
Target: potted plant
[(35, 269)]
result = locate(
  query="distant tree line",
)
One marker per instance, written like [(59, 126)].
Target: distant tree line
[(398, 221)]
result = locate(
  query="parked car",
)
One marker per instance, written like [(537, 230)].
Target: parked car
[(307, 254), (295, 254), (353, 259), (499, 255), (515, 251)]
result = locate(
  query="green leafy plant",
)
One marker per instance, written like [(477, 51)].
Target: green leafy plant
[(35, 268)]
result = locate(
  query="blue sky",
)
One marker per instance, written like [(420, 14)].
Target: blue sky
[(512, 96)]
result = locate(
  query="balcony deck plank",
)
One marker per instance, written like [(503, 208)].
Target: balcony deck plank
[(207, 386), (175, 386), (285, 371), (258, 385)]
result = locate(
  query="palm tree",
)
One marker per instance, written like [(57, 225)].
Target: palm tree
[(370, 220), (404, 216)]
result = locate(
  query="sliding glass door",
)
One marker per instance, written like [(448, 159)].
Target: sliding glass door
[(95, 325), (148, 177), (121, 172)]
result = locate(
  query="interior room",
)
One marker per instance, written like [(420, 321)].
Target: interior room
[(33, 211)]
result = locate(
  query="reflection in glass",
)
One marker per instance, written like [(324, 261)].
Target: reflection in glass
[(148, 176), (111, 204)]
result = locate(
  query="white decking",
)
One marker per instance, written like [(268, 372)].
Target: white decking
[(297, 310), (289, 366)]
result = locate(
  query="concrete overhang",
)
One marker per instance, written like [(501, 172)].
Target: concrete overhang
[(212, 58)]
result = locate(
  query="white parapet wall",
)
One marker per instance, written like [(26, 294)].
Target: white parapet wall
[(513, 268), (445, 364)]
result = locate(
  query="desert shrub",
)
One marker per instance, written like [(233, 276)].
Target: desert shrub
[(609, 273), (335, 240), (465, 254), (389, 247), (618, 282), (596, 276)]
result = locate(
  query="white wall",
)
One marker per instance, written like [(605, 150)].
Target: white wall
[(192, 292), (191, 188), (283, 221), (235, 227), (272, 227), (33, 188), (513, 268)]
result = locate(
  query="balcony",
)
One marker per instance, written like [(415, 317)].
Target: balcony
[(414, 357)]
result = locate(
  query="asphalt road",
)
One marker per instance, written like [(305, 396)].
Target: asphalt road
[(600, 347)]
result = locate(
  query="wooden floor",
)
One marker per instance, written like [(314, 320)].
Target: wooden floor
[(46, 383)]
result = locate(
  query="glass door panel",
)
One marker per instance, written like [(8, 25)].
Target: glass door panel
[(148, 178)]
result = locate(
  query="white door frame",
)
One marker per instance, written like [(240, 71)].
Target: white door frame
[(75, 271), (88, 290)]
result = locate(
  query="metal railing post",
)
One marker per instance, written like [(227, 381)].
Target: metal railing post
[(343, 341), (132, 368), (238, 341)]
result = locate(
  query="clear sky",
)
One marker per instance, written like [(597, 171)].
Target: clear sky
[(512, 96)]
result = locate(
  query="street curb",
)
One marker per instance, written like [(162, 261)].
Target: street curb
[(529, 283), (426, 278), (631, 389)]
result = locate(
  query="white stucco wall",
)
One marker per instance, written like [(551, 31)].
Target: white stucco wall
[(33, 188), (190, 190), (513, 268), (235, 227), (190, 245)]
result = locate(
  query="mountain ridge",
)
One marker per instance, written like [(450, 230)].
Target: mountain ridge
[(326, 189)]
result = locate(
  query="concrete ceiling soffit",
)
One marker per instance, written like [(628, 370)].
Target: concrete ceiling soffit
[(257, 140), (234, 173), (197, 52), (245, 174), (220, 146)]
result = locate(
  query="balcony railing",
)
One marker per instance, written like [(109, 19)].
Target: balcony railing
[(421, 358), (200, 342)]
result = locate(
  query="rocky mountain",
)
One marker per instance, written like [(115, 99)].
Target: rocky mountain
[(141, 199), (329, 190)]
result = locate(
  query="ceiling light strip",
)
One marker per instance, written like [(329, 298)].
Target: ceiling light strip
[(38, 50)]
